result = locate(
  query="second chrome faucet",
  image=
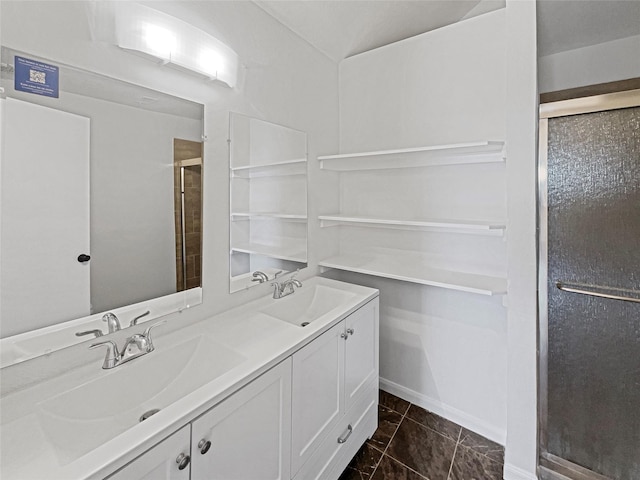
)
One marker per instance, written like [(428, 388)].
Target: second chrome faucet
[(282, 289)]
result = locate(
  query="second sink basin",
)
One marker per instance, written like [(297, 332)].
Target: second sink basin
[(308, 304), (82, 419)]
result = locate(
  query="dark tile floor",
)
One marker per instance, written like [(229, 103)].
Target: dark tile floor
[(414, 444)]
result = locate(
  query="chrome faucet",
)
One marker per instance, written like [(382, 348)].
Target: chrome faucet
[(112, 322), (259, 276), (134, 346), (286, 287)]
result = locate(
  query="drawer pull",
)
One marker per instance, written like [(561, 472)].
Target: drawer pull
[(345, 437)]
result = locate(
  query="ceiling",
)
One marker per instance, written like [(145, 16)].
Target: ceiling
[(569, 24), (342, 28)]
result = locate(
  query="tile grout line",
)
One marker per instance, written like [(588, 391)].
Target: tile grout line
[(480, 453), (404, 417), (384, 452), (455, 450)]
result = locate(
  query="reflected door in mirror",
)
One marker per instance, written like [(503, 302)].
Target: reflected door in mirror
[(45, 188)]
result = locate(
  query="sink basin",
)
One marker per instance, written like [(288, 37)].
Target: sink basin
[(79, 420), (308, 304)]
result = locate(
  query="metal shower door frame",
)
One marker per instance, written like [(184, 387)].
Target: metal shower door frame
[(551, 467)]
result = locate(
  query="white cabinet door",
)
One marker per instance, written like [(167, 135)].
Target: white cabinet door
[(162, 461), (318, 400), (361, 358), (250, 432)]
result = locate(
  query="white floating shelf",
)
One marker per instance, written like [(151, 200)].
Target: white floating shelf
[(287, 251), (288, 167), (459, 153), (271, 215), (408, 269), (473, 226)]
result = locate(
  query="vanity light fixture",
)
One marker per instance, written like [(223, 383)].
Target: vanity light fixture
[(155, 34)]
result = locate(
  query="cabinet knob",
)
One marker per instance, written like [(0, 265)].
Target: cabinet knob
[(350, 331), (183, 461), (204, 446), (344, 335)]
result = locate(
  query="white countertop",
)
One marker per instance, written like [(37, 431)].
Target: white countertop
[(26, 452)]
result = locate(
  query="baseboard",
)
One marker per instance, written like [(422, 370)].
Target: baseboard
[(515, 473), (450, 413)]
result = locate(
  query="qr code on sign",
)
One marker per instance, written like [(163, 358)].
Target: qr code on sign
[(38, 77)]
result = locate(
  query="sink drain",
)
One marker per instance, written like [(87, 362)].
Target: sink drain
[(304, 324), (148, 414)]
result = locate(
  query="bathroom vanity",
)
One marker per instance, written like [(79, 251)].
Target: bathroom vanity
[(249, 393)]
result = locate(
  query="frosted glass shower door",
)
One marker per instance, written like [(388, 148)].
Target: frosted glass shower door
[(592, 397)]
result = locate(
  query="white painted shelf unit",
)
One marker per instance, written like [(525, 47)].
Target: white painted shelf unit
[(292, 250), (472, 226), (273, 215), (402, 264), (437, 155), (288, 167), (411, 269)]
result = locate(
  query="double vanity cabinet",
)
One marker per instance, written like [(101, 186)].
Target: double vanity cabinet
[(305, 418), (297, 402)]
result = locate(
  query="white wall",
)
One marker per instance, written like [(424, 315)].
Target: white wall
[(604, 62), (444, 86), (442, 349), (522, 120), (283, 80)]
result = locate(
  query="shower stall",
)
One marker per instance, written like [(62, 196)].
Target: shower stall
[(589, 288)]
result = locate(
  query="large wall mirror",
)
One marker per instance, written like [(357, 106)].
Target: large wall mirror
[(268, 172), (101, 204)]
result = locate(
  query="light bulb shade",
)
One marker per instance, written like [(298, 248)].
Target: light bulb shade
[(173, 41)]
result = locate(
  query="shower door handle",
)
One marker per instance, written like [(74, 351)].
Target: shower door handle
[(566, 288)]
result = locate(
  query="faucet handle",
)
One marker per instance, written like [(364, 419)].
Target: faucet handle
[(113, 355), (96, 332), (134, 322), (147, 334), (294, 274)]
